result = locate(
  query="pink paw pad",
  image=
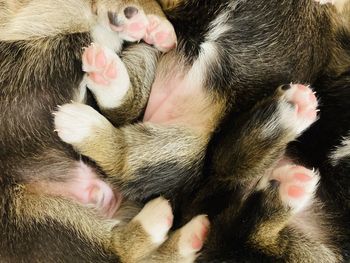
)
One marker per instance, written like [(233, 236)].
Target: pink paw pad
[(304, 100), (193, 235), (160, 33), (100, 68), (297, 185), (305, 105)]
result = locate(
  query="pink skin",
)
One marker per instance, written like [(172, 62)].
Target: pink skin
[(88, 189), (84, 187), (305, 102)]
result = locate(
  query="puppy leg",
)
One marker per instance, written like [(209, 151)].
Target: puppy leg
[(146, 231), (121, 88), (45, 226), (184, 244), (142, 239), (160, 31), (287, 225), (259, 138), (38, 228), (137, 157)]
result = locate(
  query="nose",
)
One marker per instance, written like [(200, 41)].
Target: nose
[(130, 11)]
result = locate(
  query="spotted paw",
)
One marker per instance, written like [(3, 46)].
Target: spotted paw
[(192, 237), (107, 77), (160, 33), (303, 102), (297, 185), (156, 219), (76, 122)]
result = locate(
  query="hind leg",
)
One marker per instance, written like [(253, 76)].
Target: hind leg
[(296, 185), (287, 226)]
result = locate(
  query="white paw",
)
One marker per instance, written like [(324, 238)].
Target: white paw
[(298, 107), (156, 218), (297, 185), (192, 237), (76, 122), (160, 33), (107, 78)]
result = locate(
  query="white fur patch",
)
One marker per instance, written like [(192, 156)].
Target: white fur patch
[(191, 231), (156, 219), (209, 53), (105, 37), (76, 122), (343, 151)]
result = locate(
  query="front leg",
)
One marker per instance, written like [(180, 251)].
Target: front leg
[(144, 239), (121, 88), (145, 159), (280, 219), (259, 138)]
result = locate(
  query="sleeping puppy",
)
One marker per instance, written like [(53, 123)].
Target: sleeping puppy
[(53, 205), (225, 61)]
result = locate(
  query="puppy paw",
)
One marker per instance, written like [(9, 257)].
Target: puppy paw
[(129, 21), (192, 237), (298, 107), (74, 123), (297, 185), (156, 218), (160, 33), (107, 75)]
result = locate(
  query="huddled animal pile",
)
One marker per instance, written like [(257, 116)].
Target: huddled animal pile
[(210, 125)]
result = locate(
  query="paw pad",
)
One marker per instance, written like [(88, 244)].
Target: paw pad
[(297, 185), (160, 33), (102, 69), (304, 103)]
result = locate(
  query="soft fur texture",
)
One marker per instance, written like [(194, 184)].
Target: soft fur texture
[(230, 54)]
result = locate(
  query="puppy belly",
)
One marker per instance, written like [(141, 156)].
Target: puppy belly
[(178, 100), (85, 187)]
